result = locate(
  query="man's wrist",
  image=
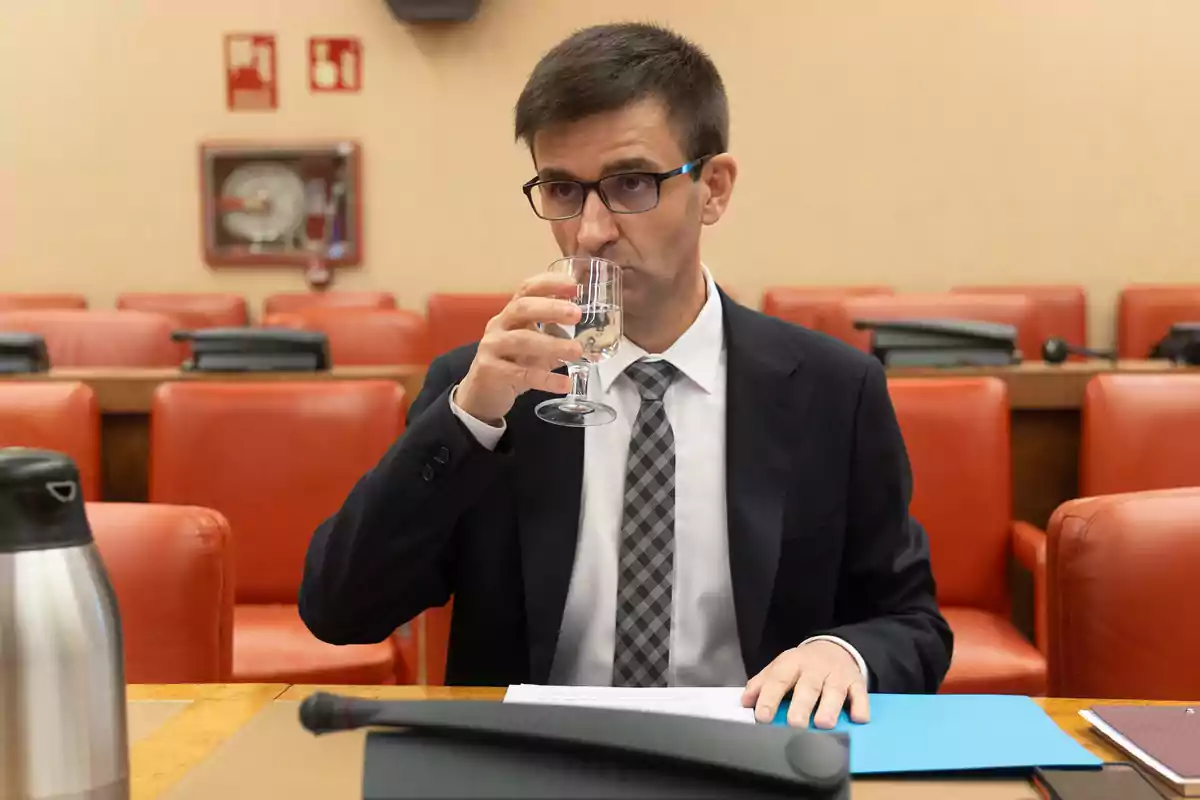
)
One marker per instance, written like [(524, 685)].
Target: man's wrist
[(849, 648), (486, 434), (463, 402)]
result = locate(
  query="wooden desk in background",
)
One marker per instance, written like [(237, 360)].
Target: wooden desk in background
[(245, 740), (1045, 419)]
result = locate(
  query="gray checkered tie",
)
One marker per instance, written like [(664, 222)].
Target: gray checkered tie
[(643, 641)]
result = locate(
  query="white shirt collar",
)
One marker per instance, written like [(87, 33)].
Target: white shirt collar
[(697, 353)]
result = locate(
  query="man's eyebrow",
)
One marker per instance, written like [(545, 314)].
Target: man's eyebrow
[(554, 174), (631, 164), (634, 163)]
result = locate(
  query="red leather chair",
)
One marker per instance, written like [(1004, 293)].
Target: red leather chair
[(276, 458), (458, 319), (361, 337), (956, 431), (52, 415), (190, 310), (294, 301), (172, 570), (837, 319), (10, 301), (100, 338), (1061, 311), (1122, 602), (802, 305), (1140, 432), (1145, 315)]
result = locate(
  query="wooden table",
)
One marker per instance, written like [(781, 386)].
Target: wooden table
[(244, 740), (1045, 418)]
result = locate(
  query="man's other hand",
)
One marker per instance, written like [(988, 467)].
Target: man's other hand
[(821, 675)]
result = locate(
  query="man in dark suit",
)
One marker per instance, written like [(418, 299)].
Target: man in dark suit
[(743, 521)]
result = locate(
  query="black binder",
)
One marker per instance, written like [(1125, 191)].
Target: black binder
[(22, 353), (463, 749), (1181, 345), (942, 342), (255, 350)]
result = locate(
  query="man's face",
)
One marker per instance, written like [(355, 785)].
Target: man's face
[(657, 249)]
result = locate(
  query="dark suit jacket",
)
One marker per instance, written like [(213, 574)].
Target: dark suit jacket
[(820, 538)]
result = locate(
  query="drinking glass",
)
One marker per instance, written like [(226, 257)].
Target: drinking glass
[(598, 295)]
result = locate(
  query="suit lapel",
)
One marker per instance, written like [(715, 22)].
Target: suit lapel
[(765, 405), (549, 485)]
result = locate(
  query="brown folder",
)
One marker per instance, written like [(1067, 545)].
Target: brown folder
[(1164, 739)]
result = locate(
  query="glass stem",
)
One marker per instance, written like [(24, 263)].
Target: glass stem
[(579, 379)]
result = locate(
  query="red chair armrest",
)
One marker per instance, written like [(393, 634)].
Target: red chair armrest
[(1029, 547)]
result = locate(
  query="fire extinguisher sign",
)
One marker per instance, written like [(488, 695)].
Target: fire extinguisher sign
[(334, 64), (250, 82)]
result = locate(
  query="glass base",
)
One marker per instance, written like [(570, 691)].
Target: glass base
[(575, 412)]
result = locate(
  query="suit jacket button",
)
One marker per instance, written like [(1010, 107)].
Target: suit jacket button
[(443, 456), (427, 472)]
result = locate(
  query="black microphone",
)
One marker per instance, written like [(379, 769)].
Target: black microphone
[(1056, 350), (327, 713)]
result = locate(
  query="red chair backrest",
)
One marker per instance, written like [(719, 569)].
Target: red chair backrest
[(190, 310), (53, 415), (1017, 310), (1122, 599), (99, 338), (458, 319), (1140, 432), (1061, 310), (1145, 315), (275, 458), (172, 571), (956, 431), (802, 305), (294, 301), (361, 337), (11, 301)]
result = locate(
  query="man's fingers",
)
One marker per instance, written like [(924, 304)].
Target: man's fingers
[(528, 346), (527, 311), (804, 698), (860, 709), (551, 382), (833, 697), (549, 284), (770, 695), (753, 687)]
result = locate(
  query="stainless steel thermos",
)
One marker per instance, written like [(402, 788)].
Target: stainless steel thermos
[(63, 727)]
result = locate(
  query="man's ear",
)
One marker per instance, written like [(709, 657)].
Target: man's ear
[(719, 174)]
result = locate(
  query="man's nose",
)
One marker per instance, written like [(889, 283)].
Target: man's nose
[(597, 228)]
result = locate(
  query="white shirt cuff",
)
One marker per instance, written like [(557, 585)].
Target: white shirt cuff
[(858, 659), (487, 435)]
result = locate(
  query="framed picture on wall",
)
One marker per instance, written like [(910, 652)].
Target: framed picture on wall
[(281, 204)]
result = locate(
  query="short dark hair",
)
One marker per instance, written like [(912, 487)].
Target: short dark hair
[(607, 67)]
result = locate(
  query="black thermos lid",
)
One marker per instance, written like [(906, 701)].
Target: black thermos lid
[(41, 506)]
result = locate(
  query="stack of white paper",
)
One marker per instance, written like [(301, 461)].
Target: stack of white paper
[(712, 703)]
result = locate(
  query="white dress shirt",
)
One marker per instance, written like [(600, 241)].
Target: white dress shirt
[(705, 650)]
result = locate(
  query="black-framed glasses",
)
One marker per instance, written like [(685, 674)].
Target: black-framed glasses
[(621, 193)]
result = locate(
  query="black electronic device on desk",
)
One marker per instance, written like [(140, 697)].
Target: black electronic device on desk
[(255, 350), (22, 353), (480, 749), (1181, 345), (942, 342)]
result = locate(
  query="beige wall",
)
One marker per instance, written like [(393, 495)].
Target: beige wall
[(918, 143)]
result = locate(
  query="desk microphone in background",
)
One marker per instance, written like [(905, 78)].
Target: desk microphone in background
[(1056, 351)]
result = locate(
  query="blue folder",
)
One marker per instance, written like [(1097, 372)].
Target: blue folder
[(956, 733)]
